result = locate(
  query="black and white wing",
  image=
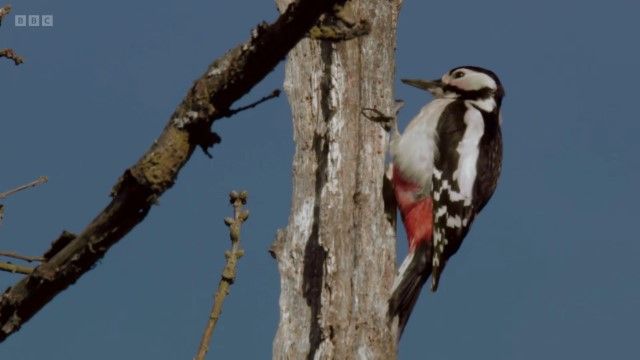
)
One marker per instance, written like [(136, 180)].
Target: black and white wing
[(466, 168)]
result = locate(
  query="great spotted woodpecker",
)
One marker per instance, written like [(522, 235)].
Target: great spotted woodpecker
[(445, 169)]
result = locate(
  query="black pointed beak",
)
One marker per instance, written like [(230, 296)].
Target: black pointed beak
[(428, 85)]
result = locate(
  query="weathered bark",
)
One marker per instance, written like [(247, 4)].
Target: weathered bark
[(337, 254)]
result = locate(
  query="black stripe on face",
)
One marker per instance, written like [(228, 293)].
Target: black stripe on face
[(483, 93)]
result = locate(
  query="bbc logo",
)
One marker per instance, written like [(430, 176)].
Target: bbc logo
[(34, 20)]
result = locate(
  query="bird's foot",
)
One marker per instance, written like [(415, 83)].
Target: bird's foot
[(388, 123)]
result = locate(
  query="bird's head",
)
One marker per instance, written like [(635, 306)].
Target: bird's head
[(466, 82)]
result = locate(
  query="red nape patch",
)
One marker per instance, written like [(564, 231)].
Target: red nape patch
[(419, 223)]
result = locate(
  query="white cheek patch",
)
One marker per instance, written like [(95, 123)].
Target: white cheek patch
[(474, 81), (488, 104)]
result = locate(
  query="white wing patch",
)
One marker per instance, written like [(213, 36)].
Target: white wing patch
[(453, 193), (445, 186), (454, 221), (468, 150), (450, 220)]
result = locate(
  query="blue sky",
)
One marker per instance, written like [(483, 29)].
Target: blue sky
[(549, 269)]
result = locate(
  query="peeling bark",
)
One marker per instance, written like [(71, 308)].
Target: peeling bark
[(336, 256)]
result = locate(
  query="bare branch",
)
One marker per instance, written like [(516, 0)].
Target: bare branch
[(14, 255), (4, 11), (12, 268), (214, 138), (229, 272), (225, 81), (11, 55), (39, 181), (274, 94)]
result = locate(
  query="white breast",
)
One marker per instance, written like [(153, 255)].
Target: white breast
[(414, 152)]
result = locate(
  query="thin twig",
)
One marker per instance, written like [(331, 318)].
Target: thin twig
[(274, 94), (4, 11), (9, 53), (12, 268), (39, 181), (14, 255), (229, 273), (214, 138)]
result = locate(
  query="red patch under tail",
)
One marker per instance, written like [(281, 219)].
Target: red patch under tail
[(417, 213)]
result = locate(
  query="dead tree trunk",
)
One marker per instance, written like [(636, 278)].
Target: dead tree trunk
[(336, 256)]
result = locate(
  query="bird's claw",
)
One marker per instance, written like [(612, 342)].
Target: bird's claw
[(388, 123), (376, 115)]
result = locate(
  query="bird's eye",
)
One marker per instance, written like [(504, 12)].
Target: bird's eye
[(458, 75)]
